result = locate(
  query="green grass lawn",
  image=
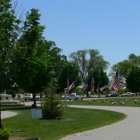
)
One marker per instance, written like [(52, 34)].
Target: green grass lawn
[(75, 120), (128, 101)]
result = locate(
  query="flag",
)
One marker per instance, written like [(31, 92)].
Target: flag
[(85, 86), (104, 87), (92, 84), (115, 85), (71, 86)]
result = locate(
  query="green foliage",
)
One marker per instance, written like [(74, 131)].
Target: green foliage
[(121, 90), (31, 67), (125, 66), (52, 107), (100, 77), (87, 60), (78, 91), (133, 79), (106, 91), (4, 133), (9, 29), (126, 90), (69, 70), (11, 92)]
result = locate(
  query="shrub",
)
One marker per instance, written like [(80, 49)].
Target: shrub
[(78, 91), (52, 107), (11, 92), (121, 90), (4, 133)]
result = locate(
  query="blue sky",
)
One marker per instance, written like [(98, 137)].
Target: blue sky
[(110, 26)]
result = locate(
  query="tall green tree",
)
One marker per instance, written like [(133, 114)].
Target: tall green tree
[(87, 60), (41, 59), (9, 29), (124, 67), (133, 79), (70, 71), (8, 36), (33, 66), (100, 78), (57, 60), (79, 58), (96, 60)]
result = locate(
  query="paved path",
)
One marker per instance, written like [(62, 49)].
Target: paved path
[(7, 114), (127, 129)]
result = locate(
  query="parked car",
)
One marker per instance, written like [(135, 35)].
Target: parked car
[(75, 97), (128, 94), (30, 97), (112, 95)]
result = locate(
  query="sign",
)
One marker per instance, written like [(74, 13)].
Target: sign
[(36, 113)]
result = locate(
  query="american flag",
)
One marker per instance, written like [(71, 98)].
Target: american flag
[(104, 87), (71, 86), (115, 85), (92, 84)]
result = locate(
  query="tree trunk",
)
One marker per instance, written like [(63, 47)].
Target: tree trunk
[(34, 100), (0, 113)]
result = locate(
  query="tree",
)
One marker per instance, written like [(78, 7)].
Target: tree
[(100, 78), (134, 59), (40, 60), (87, 60), (57, 60), (9, 29), (34, 65), (12, 92), (52, 107), (8, 36), (96, 60), (79, 58), (133, 79), (125, 65), (70, 71)]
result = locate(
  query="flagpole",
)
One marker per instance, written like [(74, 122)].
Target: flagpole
[(98, 89), (65, 91), (99, 83), (68, 85), (92, 85)]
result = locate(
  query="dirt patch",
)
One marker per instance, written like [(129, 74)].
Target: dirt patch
[(20, 138)]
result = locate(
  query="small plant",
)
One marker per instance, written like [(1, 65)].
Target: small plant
[(5, 133), (52, 107)]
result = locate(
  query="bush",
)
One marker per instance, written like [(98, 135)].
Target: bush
[(121, 90), (52, 108), (4, 133), (78, 91), (11, 92)]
